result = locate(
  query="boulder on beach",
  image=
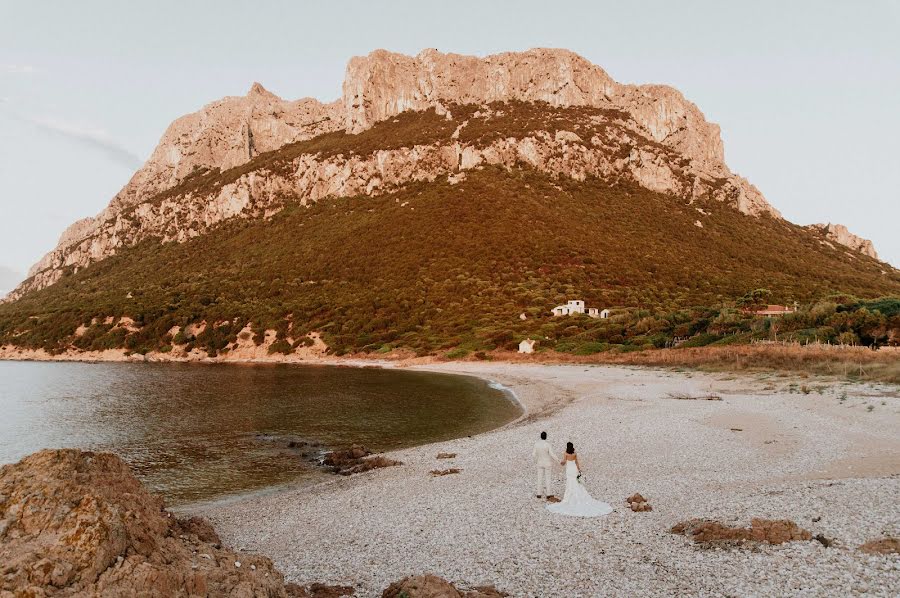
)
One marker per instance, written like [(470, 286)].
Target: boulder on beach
[(355, 459), (432, 586), (79, 523), (704, 531), (637, 503), (882, 546), (318, 590), (443, 472)]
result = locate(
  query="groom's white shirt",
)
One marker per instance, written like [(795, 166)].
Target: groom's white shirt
[(543, 455)]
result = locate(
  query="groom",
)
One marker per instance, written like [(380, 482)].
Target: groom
[(544, 460)]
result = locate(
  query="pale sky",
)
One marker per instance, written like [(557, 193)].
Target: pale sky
[(806, 93)]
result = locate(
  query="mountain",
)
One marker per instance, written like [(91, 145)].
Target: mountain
[(675, 149), (440, 197)]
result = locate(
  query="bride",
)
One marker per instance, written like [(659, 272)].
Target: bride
[(577, 501)]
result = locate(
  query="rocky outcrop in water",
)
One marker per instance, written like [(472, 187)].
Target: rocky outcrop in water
[(356, 459)]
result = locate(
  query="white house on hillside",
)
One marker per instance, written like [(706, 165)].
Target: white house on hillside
[(527, 346), (575, 306)]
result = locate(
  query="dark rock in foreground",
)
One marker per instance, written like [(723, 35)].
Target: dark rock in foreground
[(80, 523)]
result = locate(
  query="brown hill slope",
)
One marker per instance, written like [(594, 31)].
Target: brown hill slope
[(440, 265)]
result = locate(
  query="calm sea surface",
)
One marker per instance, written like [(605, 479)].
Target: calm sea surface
[(196, 432)]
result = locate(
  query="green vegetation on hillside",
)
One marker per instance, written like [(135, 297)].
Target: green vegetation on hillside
[(438, 267)]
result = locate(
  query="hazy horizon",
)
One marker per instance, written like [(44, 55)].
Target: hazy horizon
[(805, 94)]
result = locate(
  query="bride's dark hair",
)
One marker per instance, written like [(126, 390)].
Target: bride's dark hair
[(570, 448)]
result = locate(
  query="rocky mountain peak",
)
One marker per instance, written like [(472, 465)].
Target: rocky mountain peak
[(384, 84), (229, 132), (258, 90)]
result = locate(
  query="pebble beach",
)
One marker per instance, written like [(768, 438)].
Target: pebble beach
[(825, 454)]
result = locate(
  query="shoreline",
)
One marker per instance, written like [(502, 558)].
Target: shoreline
[(832, 363), (827, 458), (528, 414), (760, 451), (429, 364)]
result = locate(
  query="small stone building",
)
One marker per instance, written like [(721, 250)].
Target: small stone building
[(575, 306), (527, 346)]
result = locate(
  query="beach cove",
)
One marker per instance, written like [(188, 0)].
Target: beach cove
[(823, 454)]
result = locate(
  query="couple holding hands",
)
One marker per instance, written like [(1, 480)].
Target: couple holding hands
[(576, 501)]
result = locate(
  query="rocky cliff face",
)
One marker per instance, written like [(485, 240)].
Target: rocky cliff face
[(661, 141), (225, 134), (384, 84), (221, 135), (839, 234)]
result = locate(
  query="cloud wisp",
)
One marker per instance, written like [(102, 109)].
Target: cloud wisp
[(17, 69), (88, 136)]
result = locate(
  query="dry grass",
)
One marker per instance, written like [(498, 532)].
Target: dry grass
[(852, 363), (855, 363)]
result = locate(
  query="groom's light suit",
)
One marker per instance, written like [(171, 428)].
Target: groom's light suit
[(544, 460)]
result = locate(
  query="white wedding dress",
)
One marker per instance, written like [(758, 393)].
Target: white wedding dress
[(577, 501)]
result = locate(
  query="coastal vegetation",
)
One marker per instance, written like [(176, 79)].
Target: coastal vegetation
[(448, 269), (832, 362)]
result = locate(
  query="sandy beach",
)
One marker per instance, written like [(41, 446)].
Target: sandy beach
[(823, 454)]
